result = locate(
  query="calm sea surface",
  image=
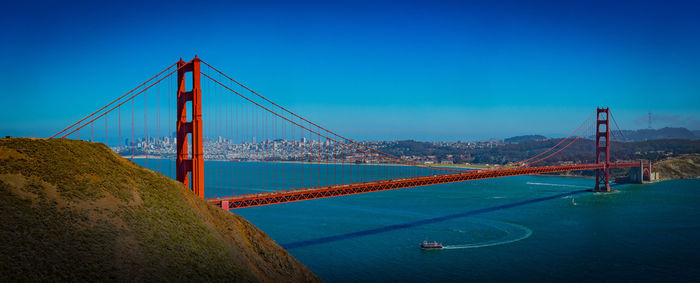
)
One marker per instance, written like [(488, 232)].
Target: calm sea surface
[(513, 228)]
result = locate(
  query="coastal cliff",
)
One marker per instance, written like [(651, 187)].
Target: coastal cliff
[(74, 210)]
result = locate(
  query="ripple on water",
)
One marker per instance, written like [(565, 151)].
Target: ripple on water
[(489, 233)]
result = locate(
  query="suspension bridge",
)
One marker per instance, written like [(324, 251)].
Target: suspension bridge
[(276, 154)]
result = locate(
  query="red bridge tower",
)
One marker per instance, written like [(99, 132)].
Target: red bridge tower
[(187, 166), (602, 151)]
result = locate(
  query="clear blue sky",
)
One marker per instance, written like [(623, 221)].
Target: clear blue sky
[(459, 70)]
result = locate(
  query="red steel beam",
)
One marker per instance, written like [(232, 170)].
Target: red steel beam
[(187, 167), (275, 197)]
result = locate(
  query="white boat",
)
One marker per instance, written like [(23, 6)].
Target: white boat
[(430, 245)]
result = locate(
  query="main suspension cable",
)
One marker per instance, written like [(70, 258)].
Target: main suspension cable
[(560, 142), (318, 133), (573, 141), (130, 98), (618, 127), (93, 113), (392, 157)]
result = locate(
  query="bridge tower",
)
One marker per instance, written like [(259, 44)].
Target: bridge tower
[(190, 165), (602, 151)]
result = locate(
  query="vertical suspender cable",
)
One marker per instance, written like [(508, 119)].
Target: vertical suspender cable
[(145, 126), (133, 143), (119, 123), (158, 140)]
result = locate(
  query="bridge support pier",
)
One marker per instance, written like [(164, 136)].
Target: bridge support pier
[(643, 173), (650, 175), (637, 173), (190, 166), (602, 152)]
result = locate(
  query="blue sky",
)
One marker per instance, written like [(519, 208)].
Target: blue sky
[(451, 70)]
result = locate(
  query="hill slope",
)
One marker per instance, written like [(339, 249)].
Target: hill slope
[(74, 210), (682, 167)]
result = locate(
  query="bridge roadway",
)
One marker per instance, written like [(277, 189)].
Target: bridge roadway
[(282, 196)]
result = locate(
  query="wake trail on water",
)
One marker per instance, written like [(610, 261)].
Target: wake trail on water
[(514, 233), (556, 185)]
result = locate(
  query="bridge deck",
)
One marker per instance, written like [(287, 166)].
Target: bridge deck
[(274, 197)]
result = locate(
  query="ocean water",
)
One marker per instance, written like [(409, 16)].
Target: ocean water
[(514, 228)]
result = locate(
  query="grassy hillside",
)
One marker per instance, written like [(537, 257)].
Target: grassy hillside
[(73, 210), (681, 167)]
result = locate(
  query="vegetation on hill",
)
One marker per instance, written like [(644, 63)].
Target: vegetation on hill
[(526, 138), (582, 151), (74, 210), (682, 167)]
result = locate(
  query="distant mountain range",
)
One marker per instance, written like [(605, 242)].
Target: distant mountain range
[(658, 134), (629, 135)]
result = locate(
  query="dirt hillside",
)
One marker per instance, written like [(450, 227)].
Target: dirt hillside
[(686, 166), (74, 210)]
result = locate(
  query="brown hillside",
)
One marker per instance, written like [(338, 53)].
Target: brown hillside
[(682, 167), (73, 210)]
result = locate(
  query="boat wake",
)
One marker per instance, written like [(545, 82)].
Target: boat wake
[(556, 185), (513, 233)]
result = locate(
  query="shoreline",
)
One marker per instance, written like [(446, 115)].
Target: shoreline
[(144, 157), (477, 167), (565, 176), (460, 166), (457, 166)]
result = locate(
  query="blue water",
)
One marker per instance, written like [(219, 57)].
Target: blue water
[(513, 228)]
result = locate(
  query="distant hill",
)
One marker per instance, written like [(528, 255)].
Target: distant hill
[(76, 211), (659, 134), (526, 138), (582, 151)]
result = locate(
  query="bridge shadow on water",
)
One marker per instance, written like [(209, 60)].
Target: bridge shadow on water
[(384, 229)]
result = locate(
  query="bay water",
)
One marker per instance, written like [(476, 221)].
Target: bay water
[(513, 228)]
